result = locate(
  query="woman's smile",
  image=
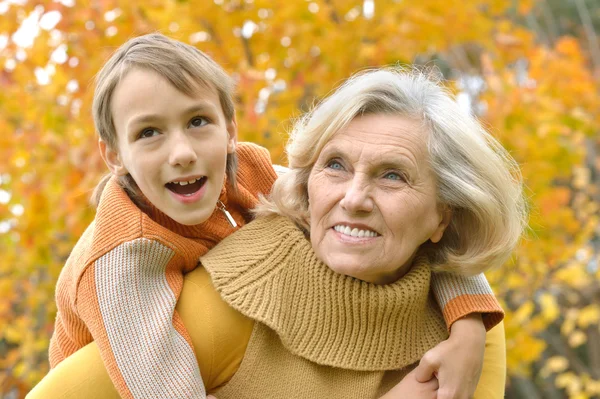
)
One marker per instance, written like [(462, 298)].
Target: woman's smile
[(354, 234)]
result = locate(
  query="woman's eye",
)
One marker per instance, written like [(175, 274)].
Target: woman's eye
[(394, 176), (198, 121), (149, 133), (335, 165)]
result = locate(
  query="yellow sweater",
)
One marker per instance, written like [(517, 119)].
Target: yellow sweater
[(220, 336)]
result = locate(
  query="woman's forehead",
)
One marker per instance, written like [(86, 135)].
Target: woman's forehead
[(389, 134)]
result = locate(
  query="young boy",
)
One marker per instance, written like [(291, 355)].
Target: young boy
[(179, 184)]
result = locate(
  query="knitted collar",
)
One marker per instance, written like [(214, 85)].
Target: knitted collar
[(116, 206), (269, 272), (216, 227)]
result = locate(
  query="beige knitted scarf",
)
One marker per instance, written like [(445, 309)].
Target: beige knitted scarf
[(269, 272)]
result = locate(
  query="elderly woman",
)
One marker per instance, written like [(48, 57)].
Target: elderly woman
[(327, 293)]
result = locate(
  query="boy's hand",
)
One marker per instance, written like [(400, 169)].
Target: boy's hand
[(409, 387), (456, 362)]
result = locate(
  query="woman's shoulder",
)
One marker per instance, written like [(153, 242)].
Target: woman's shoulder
[(252, 250), (219, 333), (493, 377)]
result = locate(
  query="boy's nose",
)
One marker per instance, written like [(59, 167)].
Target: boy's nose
[(182, 153)]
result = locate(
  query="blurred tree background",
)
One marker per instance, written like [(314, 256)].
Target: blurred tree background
[(530, 69)]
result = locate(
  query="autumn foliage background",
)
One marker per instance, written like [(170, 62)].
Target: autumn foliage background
[(529, 68)]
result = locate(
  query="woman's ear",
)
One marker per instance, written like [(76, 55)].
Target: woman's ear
[(112, 159), (446, 216), (232, 131)]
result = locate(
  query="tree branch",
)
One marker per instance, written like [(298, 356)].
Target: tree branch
[(590, 32)]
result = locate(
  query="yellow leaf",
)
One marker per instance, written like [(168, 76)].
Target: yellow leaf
[(573, 274), (555, 364), (588, 316), (19, 369), (12, 335), (524, 312), (550, 310), (592, 387), (568, 381), (576, 339)]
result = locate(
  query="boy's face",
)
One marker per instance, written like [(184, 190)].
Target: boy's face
[(175, 147)]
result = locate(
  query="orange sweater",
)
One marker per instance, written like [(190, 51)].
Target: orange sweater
[(122, 280)]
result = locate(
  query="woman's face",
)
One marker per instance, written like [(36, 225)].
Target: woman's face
[(372, 199)]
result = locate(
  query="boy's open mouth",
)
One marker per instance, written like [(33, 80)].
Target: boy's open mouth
[(186, 187)]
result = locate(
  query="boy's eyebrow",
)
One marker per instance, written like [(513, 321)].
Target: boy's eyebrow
[(200, 106)]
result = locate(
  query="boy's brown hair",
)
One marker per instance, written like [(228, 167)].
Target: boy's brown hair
[(183, 65)]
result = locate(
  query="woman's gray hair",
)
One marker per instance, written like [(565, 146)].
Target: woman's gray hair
[(476, 177)]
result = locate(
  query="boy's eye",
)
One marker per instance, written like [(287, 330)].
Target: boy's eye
[(198, 121), (149, 133)]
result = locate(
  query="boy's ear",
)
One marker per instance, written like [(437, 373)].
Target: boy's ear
[(232, 131), (112, 159)]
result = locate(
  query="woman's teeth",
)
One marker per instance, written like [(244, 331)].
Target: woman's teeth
[(354, 232)]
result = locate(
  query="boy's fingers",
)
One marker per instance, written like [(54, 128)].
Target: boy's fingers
[(427, 368), (449, 393)]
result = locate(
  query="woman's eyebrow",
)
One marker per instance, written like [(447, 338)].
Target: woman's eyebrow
[(394, 160), (331, 150), (393, 164)]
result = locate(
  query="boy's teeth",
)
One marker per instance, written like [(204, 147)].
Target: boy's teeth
[(185, 183), (354, 232)]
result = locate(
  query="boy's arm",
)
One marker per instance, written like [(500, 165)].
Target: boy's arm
[(70, 333), (127, 300), (459, 296), (456, 362), (492, 381), (470, 308)]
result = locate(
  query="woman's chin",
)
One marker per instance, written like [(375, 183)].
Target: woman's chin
[(357, 270), (354, 270)]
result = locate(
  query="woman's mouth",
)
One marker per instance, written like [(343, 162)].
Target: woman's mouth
[(355, 232)]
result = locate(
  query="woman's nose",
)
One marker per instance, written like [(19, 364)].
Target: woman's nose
[(357, 198), (181, 152)]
